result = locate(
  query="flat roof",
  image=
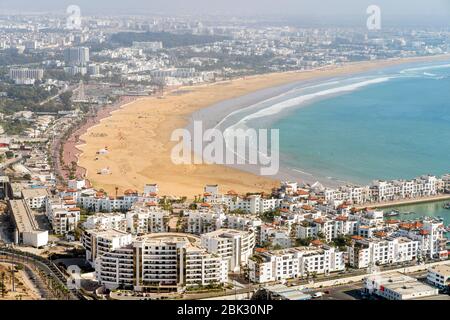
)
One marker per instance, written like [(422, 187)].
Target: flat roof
[(409, 287), (443, 269), (288, 293), (22, 216), (34, 193)]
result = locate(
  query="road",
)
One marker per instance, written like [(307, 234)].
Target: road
[(57, 277)]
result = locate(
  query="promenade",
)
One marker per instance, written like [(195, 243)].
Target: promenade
[(387, 204)]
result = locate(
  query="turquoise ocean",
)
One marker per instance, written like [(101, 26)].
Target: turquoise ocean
[(390, 124)]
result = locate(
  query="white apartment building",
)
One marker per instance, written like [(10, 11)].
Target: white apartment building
[(145, 219), (403, 189), (106, 221), (99, 242), (234, 246), (364, 253), (204, 221), (76, 184), (251, 204), (25, 75), (446, 183), (329, 227), (63, 215), (199, 222), (293, 263), (275, 236), (161, 262), (385, 191), (36, 198), (101, 203), (429, 234), (439, 276)]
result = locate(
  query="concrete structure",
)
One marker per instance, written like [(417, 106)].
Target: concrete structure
[(234, 246), (161, 262), (268, 266), (77, 56), (396, 286), (106, 221), (366, 252), (26, 229), (25, 75), (36, 198), (439, 276), (100, 242)]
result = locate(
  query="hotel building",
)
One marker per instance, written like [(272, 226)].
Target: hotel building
[(161, 262)]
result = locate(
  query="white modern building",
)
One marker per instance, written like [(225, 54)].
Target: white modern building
[(161, 262), (276, 265), (364, 252), (234, 246), (397, 286), (439, 276)]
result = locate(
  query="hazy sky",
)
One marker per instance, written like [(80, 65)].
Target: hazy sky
[(247, 7)]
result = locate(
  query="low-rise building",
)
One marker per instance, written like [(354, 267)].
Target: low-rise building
[(276, 265), (396, 286), (439, 276)]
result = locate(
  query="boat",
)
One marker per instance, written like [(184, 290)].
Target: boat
[(447, 206), (393, 213)]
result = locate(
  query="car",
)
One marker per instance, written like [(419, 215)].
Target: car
[(317, 295)]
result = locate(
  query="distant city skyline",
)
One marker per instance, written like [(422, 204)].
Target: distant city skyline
[(403, 8)]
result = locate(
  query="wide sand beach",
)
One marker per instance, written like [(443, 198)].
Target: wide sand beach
[(137, 136)]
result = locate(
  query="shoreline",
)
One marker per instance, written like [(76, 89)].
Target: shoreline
[(404, 202), (138, 135)]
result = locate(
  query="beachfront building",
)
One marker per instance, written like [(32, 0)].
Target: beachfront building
[(76, 184), (234, 246), (397, 286), (268, 266), (363, 253), (103, 203), (381, 191), (161, 262), (439, 276), (446, 183), (99, 201), (423, 186)]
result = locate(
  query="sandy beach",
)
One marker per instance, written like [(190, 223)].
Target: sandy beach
[(137, 136)]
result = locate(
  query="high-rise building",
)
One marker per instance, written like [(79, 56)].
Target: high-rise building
[(25, 75), (77, 56)]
